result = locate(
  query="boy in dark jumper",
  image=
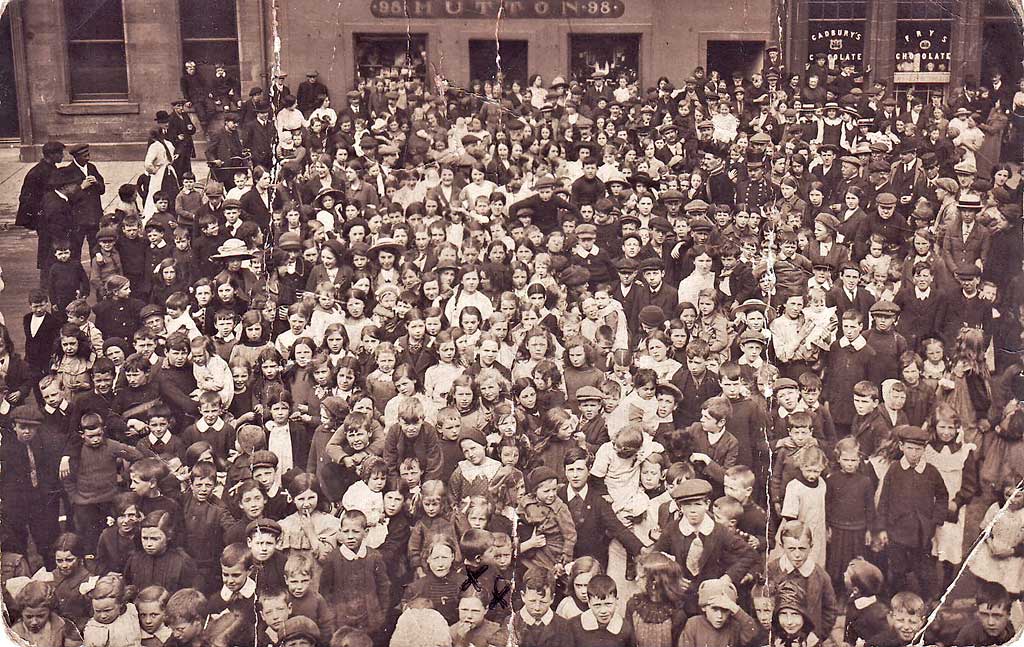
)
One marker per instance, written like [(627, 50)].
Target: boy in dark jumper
[(356, 577), (536, 623), (602, 625), (991, 624), (65, 279), (913, 503), (131, 247)]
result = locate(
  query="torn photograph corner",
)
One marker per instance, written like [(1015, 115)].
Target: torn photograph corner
[(512, 323)]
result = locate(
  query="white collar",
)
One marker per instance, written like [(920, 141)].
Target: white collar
[(582, 253), (922, 295), (166, 438), (706, 526), (347, 553), (857, 344), (203, 427), (247, 591), (715, 437), (61, 195), (530, 621), (163, 633), (589, 623), (919, 468), (864, 603), (63, 407), (786, 566), (571, 494)]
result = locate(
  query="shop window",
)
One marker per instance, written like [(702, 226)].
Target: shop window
[(209, 35), (924, 31), (836, 28), (613, 54), (484, 62), (391, 56), (98, 67)]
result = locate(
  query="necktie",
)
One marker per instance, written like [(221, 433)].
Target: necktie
[(32, 474), (693, 555), (576, 507)]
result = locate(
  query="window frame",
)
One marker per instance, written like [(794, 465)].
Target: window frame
[(234, 68), (93, 98)]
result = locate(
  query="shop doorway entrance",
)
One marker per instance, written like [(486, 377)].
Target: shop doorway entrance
[(483, 59), (612, 54), (8, 86), (728, 56)]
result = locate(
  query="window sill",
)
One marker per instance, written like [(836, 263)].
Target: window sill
[(99, 108)]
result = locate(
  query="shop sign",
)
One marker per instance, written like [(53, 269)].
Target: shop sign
[(843, 41), (491, 9), (923, 47)]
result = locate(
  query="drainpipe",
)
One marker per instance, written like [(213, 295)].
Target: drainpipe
[(264, 73)]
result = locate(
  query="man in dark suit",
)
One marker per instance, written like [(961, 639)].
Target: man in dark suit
[(657, 292), (180, 132), (58, 220), (908, 179), (225, 148), (194, 89), (847, 295), (259, 136), (355, 107), (33, 188), (278, 91), (257, 202), (967, 241), (309, 93), (596, 523), (87, 202), (828, 171)]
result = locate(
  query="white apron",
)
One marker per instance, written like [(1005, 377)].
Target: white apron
[(948, 543)]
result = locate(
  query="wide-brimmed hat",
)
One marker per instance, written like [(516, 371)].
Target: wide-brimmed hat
[(386, 244), (232, 248), (641, 178), (752, 305), (329, 191)]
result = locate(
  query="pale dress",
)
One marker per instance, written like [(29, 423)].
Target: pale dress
[(807, 505), (948, 543), (995, 560)]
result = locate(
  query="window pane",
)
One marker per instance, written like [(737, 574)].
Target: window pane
[(94, 20), (997, 8), (391, 56), (208, 19), (833, 9), (926, 9), (98, 69)]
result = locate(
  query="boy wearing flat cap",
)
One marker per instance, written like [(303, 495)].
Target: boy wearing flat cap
[(705, 549), (913, 503)]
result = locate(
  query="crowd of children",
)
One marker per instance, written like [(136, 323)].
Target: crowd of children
[(601, 371)]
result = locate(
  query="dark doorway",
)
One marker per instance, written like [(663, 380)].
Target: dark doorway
[(483, 60), (1002, 51), (614, 55), (728, 56), (8, 86)]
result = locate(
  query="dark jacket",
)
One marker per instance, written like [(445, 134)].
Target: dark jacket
[(39, 348), (596, 524), (725, 552), (33, 188), (87, 204)]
